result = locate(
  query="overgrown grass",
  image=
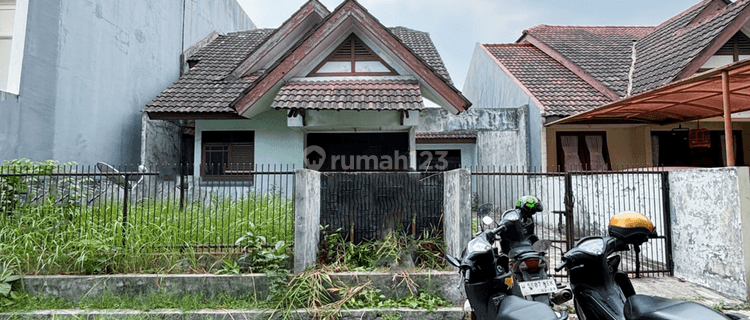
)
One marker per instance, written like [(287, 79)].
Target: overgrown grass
[(50, 238), (395, 250)]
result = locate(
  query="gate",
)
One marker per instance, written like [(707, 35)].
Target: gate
[(367, 205), (579, 204)]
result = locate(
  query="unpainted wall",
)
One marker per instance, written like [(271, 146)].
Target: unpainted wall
[(91, 66), (487, 86), (710, 211)]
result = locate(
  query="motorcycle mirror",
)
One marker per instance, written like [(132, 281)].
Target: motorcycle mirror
[(541, 245), (484, 210), (487, 220), (453, 261)]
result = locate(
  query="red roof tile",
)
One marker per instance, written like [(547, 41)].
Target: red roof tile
[(602, 52), (351, 94), (559, 90)]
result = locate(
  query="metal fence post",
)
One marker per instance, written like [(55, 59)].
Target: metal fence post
[(125, 209), (569, 231), (667, 220)]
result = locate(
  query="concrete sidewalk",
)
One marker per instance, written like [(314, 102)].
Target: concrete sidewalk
[(670, 287)]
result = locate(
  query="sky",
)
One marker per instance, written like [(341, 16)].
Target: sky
[(456, 26)]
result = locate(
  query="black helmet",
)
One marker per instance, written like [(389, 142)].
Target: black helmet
[(529, 204)]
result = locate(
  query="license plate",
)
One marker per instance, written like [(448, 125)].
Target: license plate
[(537, 287)]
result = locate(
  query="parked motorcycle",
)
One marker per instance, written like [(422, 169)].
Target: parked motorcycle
[(603, 292), (489, 284), (527, 254)]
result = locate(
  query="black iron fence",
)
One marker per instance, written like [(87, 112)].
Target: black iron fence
[(579, 204), (365, 206), (164, 205)]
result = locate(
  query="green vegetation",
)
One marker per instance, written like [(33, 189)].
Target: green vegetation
[(395, 250)]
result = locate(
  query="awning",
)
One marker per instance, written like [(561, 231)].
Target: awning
[(719, 92), (694, 98)]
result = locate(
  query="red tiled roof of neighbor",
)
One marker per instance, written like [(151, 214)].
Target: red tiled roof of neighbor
[(446, 135), (354, 94), (560, 91), (665, 52), (602, 52), (208, 88)]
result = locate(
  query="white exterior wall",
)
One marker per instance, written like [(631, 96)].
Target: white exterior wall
[(275, 143), (487, 86)]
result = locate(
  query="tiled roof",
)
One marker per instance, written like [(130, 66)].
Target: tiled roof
[(350, 94), (421, 45), (205, 88), (665, 52), (559, 90), (446, 135), (602, 52)]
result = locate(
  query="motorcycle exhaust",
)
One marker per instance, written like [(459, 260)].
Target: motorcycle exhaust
[(562, 296)]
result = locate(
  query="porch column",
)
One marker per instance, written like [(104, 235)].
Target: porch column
[(413, 148), (729, 139)]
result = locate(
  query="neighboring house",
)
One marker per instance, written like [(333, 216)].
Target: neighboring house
[(333, 91), (74, 74), (559, 71)]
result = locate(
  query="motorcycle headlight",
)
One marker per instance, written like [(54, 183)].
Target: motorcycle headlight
[(479, 245), (511, 215)]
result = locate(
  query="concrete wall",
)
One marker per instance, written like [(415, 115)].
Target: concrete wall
[(457, 210), (487, 86), (306, 218), (91, 66), (710, 211)]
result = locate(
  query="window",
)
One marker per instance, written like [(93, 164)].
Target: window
[(228, 155), (671, 149), (582, 151), (438, 160), (12, 36), (352, 57)]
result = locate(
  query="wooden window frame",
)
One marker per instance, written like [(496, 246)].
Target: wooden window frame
[(353, 58), (229, 174), (583, 153)]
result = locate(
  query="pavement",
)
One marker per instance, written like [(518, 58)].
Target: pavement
[(674, 288)]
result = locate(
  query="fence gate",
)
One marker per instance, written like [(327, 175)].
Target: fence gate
[(367, 205), (580, 204)]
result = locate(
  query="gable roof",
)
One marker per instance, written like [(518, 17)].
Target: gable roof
[(560, 91), (604, 53), (666, 52), (211, 88), (602, 57), (350, 14)]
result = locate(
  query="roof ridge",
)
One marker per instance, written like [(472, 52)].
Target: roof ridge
[(682, 13), (508, 44)]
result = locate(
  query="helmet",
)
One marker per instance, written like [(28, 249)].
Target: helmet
[(529, 204), (631, 227)]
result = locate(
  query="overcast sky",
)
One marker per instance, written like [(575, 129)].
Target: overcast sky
[(455, 26)]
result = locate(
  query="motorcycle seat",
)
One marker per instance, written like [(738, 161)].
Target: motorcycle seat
[(643, 307), (515, 308)]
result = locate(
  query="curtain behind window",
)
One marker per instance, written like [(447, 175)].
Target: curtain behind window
[(595, 145), (570, 151)]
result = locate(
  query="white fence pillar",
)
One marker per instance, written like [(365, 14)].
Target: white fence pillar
[(306, 218), (457, 210)]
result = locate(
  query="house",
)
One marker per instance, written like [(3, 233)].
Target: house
[(559, 72), (74, 74), (327, 90)]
